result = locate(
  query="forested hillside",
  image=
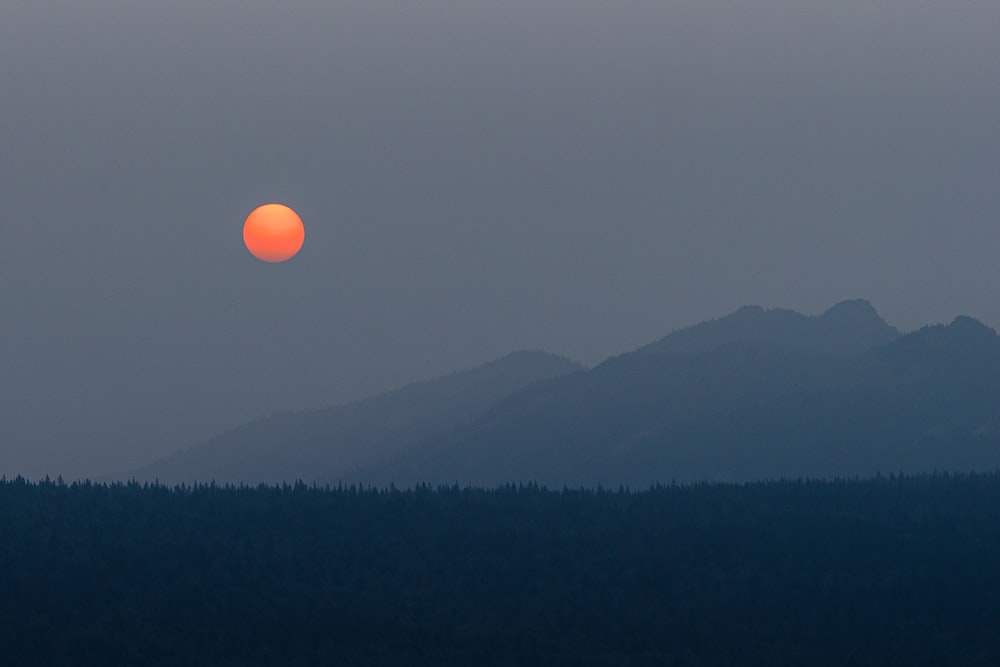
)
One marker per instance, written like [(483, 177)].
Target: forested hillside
[(890, 571)]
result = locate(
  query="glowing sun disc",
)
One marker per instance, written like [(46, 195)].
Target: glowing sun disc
[(273, 233)]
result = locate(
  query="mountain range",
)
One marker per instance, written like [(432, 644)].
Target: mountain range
[(326, 444), (757, 394)]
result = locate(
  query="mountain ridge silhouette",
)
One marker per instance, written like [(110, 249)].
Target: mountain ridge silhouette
[(755, 394)]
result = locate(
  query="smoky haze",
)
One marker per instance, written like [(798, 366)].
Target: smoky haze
[(475, 178)]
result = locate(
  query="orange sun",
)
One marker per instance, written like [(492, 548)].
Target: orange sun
[(273, 233)]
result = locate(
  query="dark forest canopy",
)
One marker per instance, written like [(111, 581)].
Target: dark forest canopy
[(887, 571)]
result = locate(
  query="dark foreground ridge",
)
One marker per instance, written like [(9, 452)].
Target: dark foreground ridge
[(889, 571)]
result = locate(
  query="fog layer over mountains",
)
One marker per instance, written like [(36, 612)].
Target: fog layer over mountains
[(756, 394)]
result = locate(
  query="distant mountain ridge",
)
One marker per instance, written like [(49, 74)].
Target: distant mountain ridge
[(847, 328), (742, 411), (323, 444), (756, 394)]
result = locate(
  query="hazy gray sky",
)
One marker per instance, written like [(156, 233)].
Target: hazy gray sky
[(475, 178)]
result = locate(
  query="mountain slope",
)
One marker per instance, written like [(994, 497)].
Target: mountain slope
[(320, 445), (757, 394), (745, 409), (850, 327)]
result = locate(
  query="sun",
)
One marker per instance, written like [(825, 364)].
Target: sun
[(273, 233)]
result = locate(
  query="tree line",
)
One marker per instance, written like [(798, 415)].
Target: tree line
[(893, 570)]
